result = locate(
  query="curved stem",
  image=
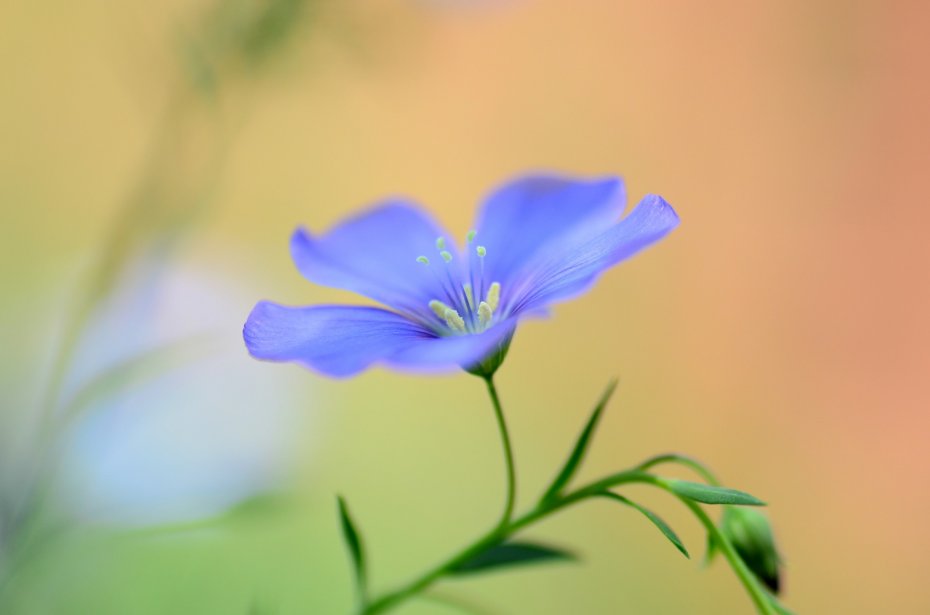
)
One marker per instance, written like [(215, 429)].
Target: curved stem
[(498, 534), (684, 460), (500, 531), (758, 595), (509, 526), (508, 453)]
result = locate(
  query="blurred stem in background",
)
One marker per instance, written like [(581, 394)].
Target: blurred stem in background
[(222, 58)]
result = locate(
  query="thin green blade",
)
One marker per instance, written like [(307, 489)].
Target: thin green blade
[(708, 494), (712, 550), (354, 543), (581, 446), (511, 554), (656, 520)]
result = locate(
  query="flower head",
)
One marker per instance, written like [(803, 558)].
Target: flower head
[(537, 240)]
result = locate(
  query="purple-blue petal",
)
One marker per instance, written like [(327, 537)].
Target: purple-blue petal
[(567, 274), (335, 340), (534, 216), (375, 254), (345, 340)]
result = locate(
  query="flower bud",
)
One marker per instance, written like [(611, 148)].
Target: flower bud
[(751, 534)]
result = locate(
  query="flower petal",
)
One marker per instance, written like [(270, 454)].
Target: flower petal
[(335, 340), (345, 340), (538, 215), (375, 254), (568, 274)]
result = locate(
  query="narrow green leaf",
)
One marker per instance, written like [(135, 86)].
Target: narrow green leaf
[(712, 550), (656, 520), (354, 543), (581, 447), (511, 554), (708, 494)]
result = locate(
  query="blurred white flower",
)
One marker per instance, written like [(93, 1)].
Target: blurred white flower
[(193, 434)]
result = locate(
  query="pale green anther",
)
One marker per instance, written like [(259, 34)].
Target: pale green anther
[(469, 295), (454, 320), (471, 235), (481, 250), (423, 260), (484, 314), (446, 256), (452, 317), (439, 308), (440, 243), (494, 296)]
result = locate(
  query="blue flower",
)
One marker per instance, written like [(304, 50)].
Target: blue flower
[(537, 240)]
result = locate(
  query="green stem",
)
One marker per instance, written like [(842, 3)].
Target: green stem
[(509, 526), (508, 453), (759, 596), (684, 460), (497, 535)]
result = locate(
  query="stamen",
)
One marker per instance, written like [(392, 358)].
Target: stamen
[(439, 308), (484, 314), (454, 321), (461, 297), (481, 251), (494, 295)]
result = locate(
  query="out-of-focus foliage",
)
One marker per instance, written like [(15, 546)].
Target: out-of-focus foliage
[(235, 39)]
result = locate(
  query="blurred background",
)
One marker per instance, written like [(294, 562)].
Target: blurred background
[(155, 157)]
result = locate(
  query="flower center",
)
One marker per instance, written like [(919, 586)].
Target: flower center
[(468, 307)]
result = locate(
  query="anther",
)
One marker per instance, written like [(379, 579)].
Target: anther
[(470, 237), (440, 243), (446, 256), (454, 320), (494, 295), (484, 314), (481, 250), (423, 260), (439, 308)]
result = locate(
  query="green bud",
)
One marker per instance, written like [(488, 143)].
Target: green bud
[(751, 534)]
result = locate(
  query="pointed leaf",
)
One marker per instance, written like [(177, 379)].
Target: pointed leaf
[(708, 494), (581, 446), (353, 542), (511, 554), (712, 550), (656, 520)]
